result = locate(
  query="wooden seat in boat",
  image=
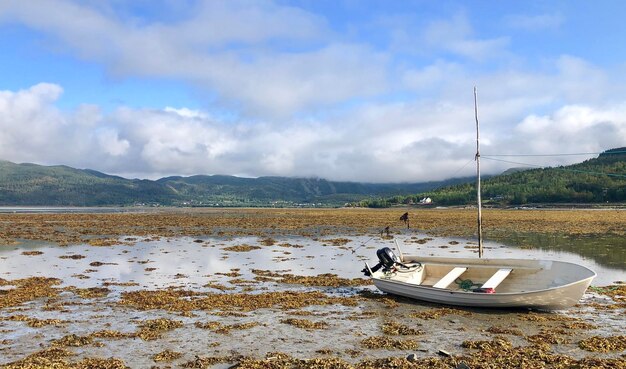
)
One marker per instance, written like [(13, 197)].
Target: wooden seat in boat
[(450, 277), (497, 278)]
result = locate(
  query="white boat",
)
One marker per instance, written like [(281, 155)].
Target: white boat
[(493, 283)]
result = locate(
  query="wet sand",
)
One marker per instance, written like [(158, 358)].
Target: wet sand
[(275, 288)]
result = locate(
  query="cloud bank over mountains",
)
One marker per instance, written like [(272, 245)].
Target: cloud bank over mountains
[(378, 144), (309, 95)]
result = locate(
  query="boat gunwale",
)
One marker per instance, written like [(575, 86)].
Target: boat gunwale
[(483, 262)]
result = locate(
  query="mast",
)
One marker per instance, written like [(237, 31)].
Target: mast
[(479, 203)]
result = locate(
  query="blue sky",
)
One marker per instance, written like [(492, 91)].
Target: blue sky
[(351, 90)]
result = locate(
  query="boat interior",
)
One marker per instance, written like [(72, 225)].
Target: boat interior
[(489, 278)]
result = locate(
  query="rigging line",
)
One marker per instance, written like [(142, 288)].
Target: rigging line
[(463, 167), (452, 176), (570, 154), (564, 169)]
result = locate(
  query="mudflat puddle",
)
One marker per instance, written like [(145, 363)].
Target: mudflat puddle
[(170, 301), (191, 263)]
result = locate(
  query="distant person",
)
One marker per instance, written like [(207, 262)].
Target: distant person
[(405, 219)]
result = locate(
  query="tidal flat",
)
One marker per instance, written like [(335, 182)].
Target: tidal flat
[(282, 288)]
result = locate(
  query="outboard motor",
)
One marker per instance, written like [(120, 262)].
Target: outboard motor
[(386, 260)]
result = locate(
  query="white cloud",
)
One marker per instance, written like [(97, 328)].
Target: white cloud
[(223, 22), (572, 121), (185, 112), (581, 81), (111, 143), (539, 22), (412, 141), (480, 49), (456, 35), (87, 115), (229, 48), (431, 76), (568, 130), (167, 142), (29, 121), (287, 83)]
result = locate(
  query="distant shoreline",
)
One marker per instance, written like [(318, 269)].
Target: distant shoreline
[(36, 209)]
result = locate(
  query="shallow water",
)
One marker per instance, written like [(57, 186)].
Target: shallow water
[(191, 263), (606, 250)]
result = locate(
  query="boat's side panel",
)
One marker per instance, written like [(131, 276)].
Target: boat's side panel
[(551, 299)]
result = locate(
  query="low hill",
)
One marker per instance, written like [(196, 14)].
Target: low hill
[(598, 180), (36, 185)]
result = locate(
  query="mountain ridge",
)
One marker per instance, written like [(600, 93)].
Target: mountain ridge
[(60, 185)]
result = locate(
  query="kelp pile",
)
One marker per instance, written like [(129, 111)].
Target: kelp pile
[(153, 329), (180, 300), (603, 344), (34, 322), (27, 289), (438, 313), (57, 358), (305, 323), (396, 328), (384, 342), (166, 355), (495, 356), (218, 327), (241, 248), (321, 280)]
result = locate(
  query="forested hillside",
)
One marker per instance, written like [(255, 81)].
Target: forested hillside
[(30, 184), (209, 189), (598, 180), (36, 185)]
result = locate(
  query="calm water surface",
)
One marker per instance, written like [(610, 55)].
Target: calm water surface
[(607, 250), (193, 262)]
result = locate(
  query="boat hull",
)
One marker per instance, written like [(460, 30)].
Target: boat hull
[(551, 299), (536, 284)]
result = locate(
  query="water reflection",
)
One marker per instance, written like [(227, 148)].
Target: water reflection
[(193, 263), (606, 250)]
